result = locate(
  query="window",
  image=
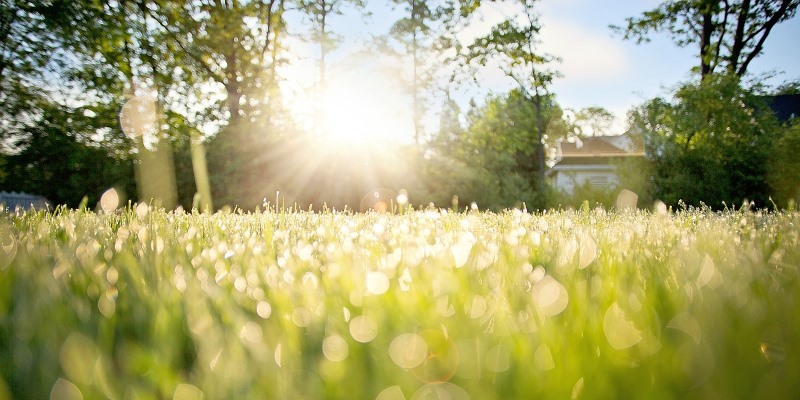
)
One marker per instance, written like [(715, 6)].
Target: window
[(598, 180)]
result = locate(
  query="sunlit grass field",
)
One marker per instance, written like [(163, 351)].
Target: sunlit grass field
[(587, 304)]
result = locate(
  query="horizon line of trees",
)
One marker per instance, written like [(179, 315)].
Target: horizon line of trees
[(210, 126)]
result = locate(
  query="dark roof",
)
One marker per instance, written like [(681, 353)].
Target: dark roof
[(591, 160), (785, 106), (14, 200), (602, 146)]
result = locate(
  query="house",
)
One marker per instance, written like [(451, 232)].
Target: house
[(593, 160), (13, 200), (785, 106)]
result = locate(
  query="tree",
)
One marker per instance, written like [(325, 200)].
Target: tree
[(728, 34), (235, 48), (497, 153), (413, 32), (783, 166), (511, 45), (29, 52), (711, 144), (55, 162), (319, 13)]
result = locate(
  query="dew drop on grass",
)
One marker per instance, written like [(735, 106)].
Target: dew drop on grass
[(620, 332), (405, 280), (112, 275), (408, 350), (240, 284), (550, 296), (346, 314), (263, 309), (107, 306), (363, 329), (460, 253), (141, 210), (109, 201), (391, 393), (335, 348), (278, 354), (588, 252)]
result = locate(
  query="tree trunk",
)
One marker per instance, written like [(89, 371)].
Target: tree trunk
[(708, 28), (738, 37), (415, 87), (540, 135)]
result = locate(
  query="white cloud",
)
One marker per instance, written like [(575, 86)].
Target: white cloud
[(586, 55)]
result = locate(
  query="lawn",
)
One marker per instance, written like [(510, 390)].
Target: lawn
[(586, 304)]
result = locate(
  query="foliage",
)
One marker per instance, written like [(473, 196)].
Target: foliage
[(498, 152), (728, 34), (142, 303), (783, 166), (512, 46), (710, 145), (414, 34), (56, 163)]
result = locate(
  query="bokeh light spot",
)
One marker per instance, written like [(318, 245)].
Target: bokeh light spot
[(138, 117), (685, 323), (301, 317), (442, 359), (550, 296), (363, 329), (109, 201), (377, 283), (78, 355), (543, 358), (335, 348), (8, 246), (185, 391), (408, 350), (498, 358), (65, 390), (620, 332), (440, 391), (391, 393)]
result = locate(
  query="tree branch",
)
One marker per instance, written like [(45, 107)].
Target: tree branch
[(203, 64), (767, 28)]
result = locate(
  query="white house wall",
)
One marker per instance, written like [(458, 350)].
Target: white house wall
[(567, 177)]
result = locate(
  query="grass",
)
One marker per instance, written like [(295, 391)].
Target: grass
[(146, 304)]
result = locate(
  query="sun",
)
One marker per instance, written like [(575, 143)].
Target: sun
[(363, 107)]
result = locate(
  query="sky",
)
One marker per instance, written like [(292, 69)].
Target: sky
[(598, 67)]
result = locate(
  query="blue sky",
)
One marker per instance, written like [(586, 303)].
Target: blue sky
[(631, 73), (599, 68)]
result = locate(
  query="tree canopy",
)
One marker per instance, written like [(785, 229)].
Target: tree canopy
[(213, 86), (728, 34)]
